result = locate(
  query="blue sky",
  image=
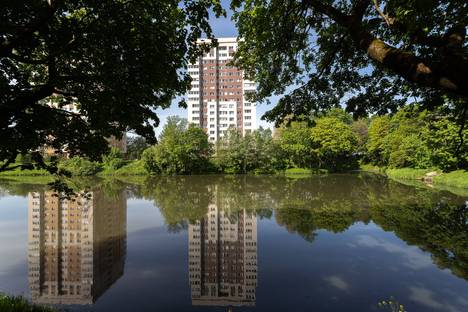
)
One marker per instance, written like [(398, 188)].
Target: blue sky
[(222, 27)]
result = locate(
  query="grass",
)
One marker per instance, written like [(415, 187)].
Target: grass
[(371, 168), (458, 178), (20, 304), (21, 173), (304, 171), (407, 173), (33, 179), (298, 171), (134, 167), (455, 180)]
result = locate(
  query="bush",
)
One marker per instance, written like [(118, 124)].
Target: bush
[(19, 304), (417, 139), (182, 149), (335, 144), (113, 160), (79, 166), (255, 152)]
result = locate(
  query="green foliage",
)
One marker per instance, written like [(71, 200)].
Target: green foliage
[(130, 168), (331, 143), (117, 61), (296, 142), (181, 150), (360, 128), (78, 166), (113, 160), (135, 147), (255, 152), (376, 147), (372, 56), (334, 144), (417, 139), (392, 305), (20, 304)]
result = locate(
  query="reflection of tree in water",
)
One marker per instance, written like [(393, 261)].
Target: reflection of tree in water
[(298, 221), (335, 217), (439, 227), (420, 217), (181, 199), (185, 199)]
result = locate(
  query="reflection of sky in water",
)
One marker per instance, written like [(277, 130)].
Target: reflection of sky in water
[(143, 215), (13, 243), (350, 270)]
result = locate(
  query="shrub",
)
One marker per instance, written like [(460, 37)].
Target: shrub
[(79, 166)]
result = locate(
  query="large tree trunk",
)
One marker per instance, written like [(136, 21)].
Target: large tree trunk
[(440, 76)]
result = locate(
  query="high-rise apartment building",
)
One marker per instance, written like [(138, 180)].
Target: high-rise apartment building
[(76, 247), (223, 258), (217, 98)]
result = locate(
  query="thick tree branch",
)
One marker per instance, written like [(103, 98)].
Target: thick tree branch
[(408, 65), (327, 10), (388, 20), (403, 63)]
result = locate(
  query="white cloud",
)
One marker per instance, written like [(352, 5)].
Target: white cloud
[(415, 259), (425, 297), (337, 282)]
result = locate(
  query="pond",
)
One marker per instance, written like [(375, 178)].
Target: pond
[(236, 243)]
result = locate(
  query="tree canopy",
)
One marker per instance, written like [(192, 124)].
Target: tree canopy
[(183, 149), (115, 60), (373, 55)]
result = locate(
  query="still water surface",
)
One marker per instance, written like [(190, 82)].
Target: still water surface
[(221, 243)]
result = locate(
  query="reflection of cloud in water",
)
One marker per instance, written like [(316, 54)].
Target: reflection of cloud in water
[(415, 258), (425, 297), (337, 282)]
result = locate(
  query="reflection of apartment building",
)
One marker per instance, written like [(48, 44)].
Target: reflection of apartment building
[(216, 100), (223, 258), (76, 247)]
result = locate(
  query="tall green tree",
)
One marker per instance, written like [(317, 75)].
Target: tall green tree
[(372, 55), (116, 60), (418, 139), (296, 142), (135, 147), (335, 144), (255, 152), (182, 149), (379, 128)]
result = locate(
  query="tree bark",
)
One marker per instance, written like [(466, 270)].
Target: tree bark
[(442, 76)]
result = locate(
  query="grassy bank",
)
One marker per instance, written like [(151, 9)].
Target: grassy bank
[(131, 168), (19, 304), (457, 179), (24, 173)]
